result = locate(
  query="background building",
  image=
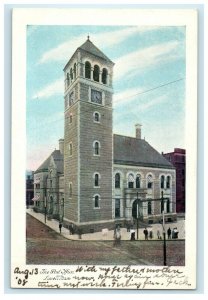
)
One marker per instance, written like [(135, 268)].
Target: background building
[(29, 188), (178, 159)]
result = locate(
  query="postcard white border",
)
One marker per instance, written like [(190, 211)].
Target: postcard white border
[(166, 17)]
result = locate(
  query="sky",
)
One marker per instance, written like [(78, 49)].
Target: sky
[(148, 82)]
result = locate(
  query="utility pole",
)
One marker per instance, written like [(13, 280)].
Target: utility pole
[(164, 234), (45, 205), (137, 217)]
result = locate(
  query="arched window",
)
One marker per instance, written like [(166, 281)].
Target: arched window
[(75, 70), (96, 146), (117, 181), (104, 76), (96, 73), (96, 178), (70, 189), (168, 182), (67, 79), (71, 74), (149, 182), (87, 70), (138, 181), (149, 208), (96, 201), (131, 181), (162, 182), (168, 206), (96, 117)]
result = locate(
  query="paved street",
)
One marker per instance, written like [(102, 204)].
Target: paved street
[(45, 246)]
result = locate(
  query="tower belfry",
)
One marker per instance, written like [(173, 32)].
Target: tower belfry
[(88, 155)]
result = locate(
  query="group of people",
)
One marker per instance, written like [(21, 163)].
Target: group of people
[(147, 234), (170, 233)]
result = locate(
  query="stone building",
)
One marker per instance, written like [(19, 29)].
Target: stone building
[(104, 174), (29, 188), (49, 185), (178, 160)]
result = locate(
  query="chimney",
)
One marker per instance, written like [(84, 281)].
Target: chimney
[(61, 146), (138, 131)]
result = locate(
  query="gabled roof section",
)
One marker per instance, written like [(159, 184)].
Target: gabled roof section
[(89, 47), (58, 160), (137, 152)]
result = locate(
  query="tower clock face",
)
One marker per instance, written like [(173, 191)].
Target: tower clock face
[(96, 96)]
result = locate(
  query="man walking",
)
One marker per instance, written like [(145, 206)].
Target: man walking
[(146, 233), (169, 233), (60, 226)]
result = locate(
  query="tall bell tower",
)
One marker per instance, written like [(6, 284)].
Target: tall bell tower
[(88, 149)]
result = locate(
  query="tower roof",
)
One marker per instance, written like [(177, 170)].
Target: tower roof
[(89, 47)]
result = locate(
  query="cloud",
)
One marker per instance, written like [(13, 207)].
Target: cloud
[(137, 61), (126, 95), (55, 87), (103, 39)]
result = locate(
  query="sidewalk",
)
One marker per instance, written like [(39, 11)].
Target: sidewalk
[(54, 224)]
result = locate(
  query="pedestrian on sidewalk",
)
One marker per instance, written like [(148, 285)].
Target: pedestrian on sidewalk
[(117, 236), (132, 232), (145, 233), (151, 234), (169, 233), (60, 226), (158, 234)]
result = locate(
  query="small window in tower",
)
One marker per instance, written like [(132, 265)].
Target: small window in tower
[(70, 189), (87, 70), (96, 73), (96, 201), (67, 79), (75, 70), (96, 117), (70, 149), (70, 118), (96, 180), (104, 76), (96, 146)]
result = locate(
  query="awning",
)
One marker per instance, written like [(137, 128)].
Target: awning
[(36, 198)]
